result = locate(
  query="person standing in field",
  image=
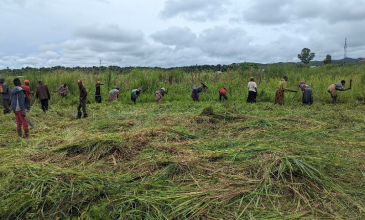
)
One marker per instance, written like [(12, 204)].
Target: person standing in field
[(113, 94), (252, 91), (135, 93), (18, 106), (26, 89), (63, 90), (196, 91), (82, 104), (5, 95), (223, 93), (281, 89), (332, 89), (43, 94), (97, 92), (159, 94), (307, 97)]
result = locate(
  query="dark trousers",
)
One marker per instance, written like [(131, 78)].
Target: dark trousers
[(6, 104), (82, 105), (44, 104), (222, 95), (251, 97), (98, 98)]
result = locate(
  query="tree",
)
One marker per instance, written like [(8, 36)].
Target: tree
[(306, 56), (328, 59)]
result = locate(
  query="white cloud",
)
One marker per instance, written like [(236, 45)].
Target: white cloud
[(193, 10), (49, 55), (175, 36)]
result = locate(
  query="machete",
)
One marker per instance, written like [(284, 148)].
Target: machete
[(30, 124)]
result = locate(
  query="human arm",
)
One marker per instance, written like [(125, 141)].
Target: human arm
[(58, 89)]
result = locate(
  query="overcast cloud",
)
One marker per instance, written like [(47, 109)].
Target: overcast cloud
[(169, 33)]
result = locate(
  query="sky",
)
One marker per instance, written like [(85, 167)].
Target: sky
[(171, 33)]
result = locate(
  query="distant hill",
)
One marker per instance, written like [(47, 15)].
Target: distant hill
[(339, 62)]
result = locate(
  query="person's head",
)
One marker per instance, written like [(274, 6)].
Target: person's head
[(97, 82), (286, 78), (26, 82), (40, 82), (117, 88), (64, 85), (252, 79), (163, 88), (140, 89), (79, 83), (17, 82), (1, 80), (343, 82)]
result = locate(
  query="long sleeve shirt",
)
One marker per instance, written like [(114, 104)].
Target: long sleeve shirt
[(83, 92), (42, 92)]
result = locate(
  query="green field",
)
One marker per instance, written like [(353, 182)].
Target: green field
[(185, 160)]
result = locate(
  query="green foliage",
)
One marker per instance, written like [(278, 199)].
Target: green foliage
[(306, 56), (328, 59)]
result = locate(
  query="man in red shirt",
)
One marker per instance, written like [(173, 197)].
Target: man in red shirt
[(27, 90), (222, 93)]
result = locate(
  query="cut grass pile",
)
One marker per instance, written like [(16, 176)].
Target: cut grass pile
[(184, 160)]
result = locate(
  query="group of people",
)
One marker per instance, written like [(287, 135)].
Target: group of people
[(18, 99), (307, 96)]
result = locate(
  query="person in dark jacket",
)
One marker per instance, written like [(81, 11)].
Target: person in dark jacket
[(97, 92), (43, 94), (135, 93), (4, 91), (17, 97), (83, 95)]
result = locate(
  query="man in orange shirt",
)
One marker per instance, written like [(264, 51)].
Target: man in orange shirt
[(27, 90)]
